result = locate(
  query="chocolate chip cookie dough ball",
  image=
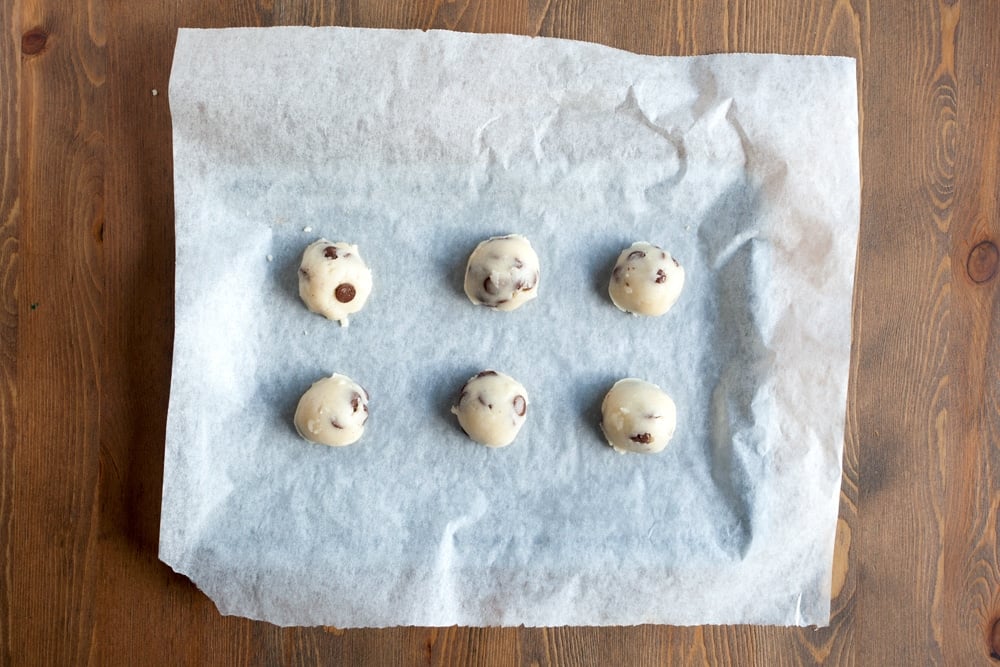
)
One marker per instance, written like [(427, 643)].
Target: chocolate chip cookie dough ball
[(502, 273), (333, 280), (637, 416), (492, 408), (646, 280), (333, 411)]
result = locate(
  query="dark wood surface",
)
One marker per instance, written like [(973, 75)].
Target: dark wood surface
[(86, 326)]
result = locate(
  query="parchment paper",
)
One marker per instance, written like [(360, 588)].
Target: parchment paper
[(417, 145)]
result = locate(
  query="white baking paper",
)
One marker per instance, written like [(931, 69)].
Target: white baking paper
[(416, 146)]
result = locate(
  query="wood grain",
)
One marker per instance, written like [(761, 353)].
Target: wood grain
[(86, 318), (61, 137), (969, 141), (10, 214)]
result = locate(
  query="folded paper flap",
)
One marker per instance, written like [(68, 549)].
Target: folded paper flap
[(417, 145)]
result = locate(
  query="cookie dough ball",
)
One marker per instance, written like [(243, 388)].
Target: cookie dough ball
[(492, 408), (646, 280), (637, 416), (333, 411), (502, 273), (333, 280)]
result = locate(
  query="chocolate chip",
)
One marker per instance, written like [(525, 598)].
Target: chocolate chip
[(345, 292), (636, 254), (490, 286), (518, 264), (677, 264), (330, 252), (661, 276), (333, 422), (663, 255), (642, 438), (520, 405), (304, 273), (482, 374), (355, 401)]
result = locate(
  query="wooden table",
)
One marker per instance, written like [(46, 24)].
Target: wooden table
[(86, 326)]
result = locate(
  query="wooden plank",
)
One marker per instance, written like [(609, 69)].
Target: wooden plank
[(61, 130), (137, 595), (967, 159), (897, 286), (10, 220)]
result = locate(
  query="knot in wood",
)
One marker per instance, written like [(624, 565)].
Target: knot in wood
[(33, 41), (983, 261)]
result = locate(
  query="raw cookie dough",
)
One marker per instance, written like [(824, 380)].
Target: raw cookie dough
[(333, 411), (502, 273), (492, 408), (637, 416), (646, 280), (333, 280)]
